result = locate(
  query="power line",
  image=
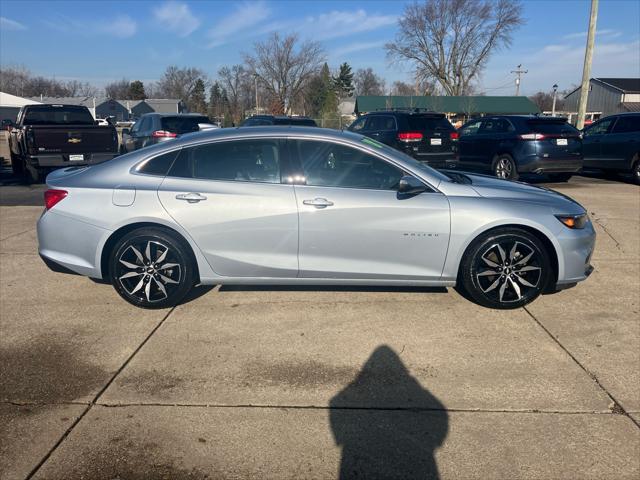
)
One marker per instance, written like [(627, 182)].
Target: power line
[(518, 73)]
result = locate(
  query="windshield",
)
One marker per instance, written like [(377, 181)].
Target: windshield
[(182, 125), (58, 115)]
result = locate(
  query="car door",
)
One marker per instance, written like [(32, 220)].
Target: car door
[(591, 142), (621, 142), (229, 197), (467, 149), (355, 225)]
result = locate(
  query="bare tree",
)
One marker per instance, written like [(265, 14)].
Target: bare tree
[(179, 82), (13, 80), (403, 89), (17, 80), (284, 67), (366, 82), (77, 88), (236, 81), (118, 90), (450, 41)]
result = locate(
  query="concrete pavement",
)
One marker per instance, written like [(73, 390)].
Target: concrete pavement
[(262, 382)]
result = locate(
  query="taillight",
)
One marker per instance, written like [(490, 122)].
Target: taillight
[(410, 137), (454, 135), (163, 134), (532, 136), (52, 197)]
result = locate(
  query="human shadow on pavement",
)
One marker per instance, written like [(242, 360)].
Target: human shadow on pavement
[(387, 424)]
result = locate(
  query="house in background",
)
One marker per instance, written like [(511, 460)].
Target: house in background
[(10, 105), (606, 97)]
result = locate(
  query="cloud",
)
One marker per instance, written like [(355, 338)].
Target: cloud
[(609, 33), (241, 21), (8, 24), (177, 18), (122, 26), (356, 47)]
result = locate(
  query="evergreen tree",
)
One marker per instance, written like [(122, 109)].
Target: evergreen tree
[(344, 81), (197, 99), (330, 100), (136, 91), (216, 101)]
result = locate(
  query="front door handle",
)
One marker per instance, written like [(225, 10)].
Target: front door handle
[(191, 197), (318, 202)]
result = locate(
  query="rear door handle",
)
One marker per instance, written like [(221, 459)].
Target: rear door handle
[(191, 197), (318, 202)]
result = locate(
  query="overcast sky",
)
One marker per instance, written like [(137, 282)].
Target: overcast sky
[(103, 41)]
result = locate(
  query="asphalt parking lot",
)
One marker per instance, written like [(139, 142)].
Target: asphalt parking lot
[(320, 382)]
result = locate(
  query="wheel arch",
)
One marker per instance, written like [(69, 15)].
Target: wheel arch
[(543, 237), (123, 230)]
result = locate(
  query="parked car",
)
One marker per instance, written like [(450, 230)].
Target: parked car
[(427, 136), (291, 205), (54, 136), (508, 145), (154, 128), (104, 121), (261, 120), (613, 144)]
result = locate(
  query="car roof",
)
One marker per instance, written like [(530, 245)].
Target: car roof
[(407, 112), (156, 114)]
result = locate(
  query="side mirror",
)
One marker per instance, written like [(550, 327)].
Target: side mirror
[(126, 131), (411, 186)]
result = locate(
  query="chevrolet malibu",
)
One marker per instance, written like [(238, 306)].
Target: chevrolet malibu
[(298, 205)]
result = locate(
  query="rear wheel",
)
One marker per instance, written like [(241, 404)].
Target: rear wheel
[(505, 268), (17, 165), (34, 174), (504, 167), (151, 268), (635, 171)]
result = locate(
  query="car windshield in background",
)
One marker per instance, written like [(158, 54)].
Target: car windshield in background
[(180, 125), (551, 127), (47, 115), (300, 122), (428, 123)]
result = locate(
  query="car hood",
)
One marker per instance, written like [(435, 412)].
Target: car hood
[(492, 187)]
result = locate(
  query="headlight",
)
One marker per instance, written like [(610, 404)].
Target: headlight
[(574, 221)]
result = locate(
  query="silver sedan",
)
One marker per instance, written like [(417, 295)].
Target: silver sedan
[(296, 205)]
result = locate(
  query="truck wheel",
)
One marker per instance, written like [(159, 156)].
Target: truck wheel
[(35, 174), (635, 171), (17, 165)]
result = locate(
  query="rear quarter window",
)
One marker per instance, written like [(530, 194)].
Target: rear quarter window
[(159, 165)]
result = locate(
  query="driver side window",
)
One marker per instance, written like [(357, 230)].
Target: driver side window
[(328, 164), (358, 124)]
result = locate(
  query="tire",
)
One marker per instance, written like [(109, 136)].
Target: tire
[(497, 251), (504, 167), (560, 177), (17, 166), (635, 171), (152, 284), (34, 174)]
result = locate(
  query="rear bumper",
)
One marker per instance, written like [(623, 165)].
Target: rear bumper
[(68, 244), (62, 160), (538, 164)]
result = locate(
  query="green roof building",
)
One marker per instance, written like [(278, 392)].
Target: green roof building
[(467, 106)]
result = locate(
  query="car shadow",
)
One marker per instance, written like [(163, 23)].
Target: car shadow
[(329, 288), (386, 423)]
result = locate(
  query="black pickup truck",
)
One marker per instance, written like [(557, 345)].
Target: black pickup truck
[(46, 137)]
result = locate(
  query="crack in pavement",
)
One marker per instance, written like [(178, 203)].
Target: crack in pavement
[(615, 406), (17, 234), (97, 397), (606, 230)]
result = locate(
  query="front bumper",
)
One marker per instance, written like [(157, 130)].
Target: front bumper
[(576, 249)]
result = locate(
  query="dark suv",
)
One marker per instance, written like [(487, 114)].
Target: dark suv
[(259, 120), (613, 143), (427, 136), (509, 145)]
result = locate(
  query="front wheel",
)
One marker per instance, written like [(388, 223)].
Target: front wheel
[(505, 268), (151, 268), (504, 167)]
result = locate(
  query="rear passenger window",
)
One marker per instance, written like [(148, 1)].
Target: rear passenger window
[(328, 164), (496, 125), (159, 165), (627, 124), (239, 161)]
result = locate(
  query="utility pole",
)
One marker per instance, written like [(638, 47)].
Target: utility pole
[(255, 77), (518, 73), (586, 70), (553, 107)]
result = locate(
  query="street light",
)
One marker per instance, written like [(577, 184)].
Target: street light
[(553, 107)]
